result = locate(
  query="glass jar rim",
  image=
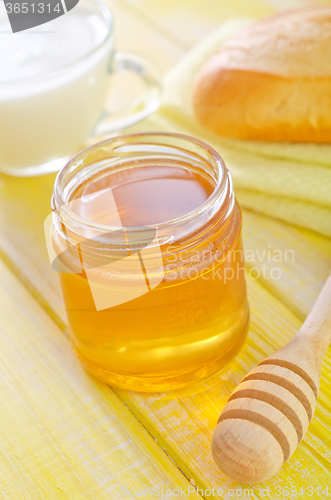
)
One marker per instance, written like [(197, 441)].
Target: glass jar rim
[(220, 200)]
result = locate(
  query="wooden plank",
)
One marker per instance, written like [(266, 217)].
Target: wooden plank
[(21, 227), (186, 22), (24, 205), (291, 262), (187, 431), (133, 33), (64, 435), (183, 421), (295, 4)]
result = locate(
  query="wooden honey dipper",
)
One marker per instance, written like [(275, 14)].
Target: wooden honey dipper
[(268, 414)]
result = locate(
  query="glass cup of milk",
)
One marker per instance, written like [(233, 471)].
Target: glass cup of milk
[(54, 83)]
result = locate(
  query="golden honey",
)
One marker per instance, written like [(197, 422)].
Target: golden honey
[(194, 320)]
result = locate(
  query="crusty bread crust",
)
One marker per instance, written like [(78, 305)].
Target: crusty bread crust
[(238, 94)]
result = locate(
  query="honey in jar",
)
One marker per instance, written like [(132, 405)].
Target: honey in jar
[(149, 222)]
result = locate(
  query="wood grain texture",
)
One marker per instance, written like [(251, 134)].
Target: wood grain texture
[(135, 33), (301, 260), (182, 422), (188, 21), (175, 418), (62, 434)]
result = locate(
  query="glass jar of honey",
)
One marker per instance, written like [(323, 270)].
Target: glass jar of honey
[(147, 237)]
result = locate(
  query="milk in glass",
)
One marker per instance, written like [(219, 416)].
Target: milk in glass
[(53, 86)]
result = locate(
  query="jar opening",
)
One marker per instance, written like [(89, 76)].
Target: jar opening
[(136, 153)]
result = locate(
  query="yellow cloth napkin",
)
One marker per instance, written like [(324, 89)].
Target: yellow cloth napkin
[(291, 182)]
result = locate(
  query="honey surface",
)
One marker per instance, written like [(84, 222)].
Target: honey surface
[(148, 195)]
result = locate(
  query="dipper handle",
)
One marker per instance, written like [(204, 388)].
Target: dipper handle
[(268, 414)]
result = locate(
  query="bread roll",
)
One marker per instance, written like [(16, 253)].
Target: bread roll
[(271, 82)]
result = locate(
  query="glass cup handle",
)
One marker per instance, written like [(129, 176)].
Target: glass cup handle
[(146, 104)]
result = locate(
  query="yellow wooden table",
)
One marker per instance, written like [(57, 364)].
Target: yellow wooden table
[(63, 435)]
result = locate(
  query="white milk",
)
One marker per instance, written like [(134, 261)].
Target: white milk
[(53, 86)]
